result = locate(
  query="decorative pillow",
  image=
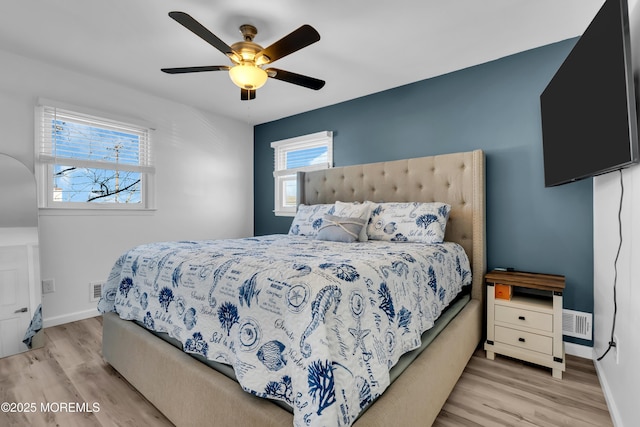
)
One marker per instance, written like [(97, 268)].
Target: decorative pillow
[(340, 229), (356, 210), (308, 219), (409, 222)]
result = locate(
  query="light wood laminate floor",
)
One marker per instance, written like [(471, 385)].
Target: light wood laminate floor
[(67, 383)]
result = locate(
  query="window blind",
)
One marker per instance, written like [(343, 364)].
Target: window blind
[(309, 152), (71, 138)]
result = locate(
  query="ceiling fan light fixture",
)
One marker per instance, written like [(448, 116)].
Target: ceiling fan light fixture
[(248, 76)]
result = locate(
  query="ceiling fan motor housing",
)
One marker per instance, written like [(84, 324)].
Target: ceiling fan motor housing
[(247, 50)]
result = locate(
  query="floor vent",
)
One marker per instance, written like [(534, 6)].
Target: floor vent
[(95, 291), (577, 324)]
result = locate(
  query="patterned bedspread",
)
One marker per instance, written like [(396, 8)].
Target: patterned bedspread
[(316, 324)]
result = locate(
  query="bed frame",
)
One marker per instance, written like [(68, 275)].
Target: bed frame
[(166, 375)]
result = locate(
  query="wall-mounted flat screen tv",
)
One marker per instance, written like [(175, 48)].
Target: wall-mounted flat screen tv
[(589, 119)]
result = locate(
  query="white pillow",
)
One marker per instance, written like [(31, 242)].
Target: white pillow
[(409, 222), (308, 219), (355, 210)]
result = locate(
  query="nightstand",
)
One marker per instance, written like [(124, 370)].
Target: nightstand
[(524, 318)]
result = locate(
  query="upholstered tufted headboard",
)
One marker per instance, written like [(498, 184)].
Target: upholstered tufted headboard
[(457, 179)]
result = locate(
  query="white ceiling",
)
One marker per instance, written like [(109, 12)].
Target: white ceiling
[(363, 48)]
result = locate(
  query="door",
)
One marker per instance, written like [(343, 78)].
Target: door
[(14, 299)]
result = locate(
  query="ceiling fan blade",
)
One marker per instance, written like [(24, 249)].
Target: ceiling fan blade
[(182, 70), (247, 95), (302, 37), (296, 79), (196, 28)]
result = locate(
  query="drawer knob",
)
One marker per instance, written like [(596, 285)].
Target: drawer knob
[(521, 339), (521, 317)]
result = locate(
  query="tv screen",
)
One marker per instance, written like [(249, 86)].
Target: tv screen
[(589, 121)]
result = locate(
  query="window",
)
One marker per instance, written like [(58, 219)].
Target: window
[(304, 153), (91, 162)]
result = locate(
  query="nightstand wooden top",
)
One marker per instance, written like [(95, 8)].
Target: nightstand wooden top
[(546, 282)]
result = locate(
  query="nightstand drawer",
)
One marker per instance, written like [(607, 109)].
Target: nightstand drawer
[(524, 340), (522, 317)]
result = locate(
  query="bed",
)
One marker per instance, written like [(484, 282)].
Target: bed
[(190, 393)]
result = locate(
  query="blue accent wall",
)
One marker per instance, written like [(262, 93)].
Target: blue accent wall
[(493, 106)]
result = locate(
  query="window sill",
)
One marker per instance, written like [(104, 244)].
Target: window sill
[(95, 212)]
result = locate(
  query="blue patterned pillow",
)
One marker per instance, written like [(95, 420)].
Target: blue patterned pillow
[(409, 222), (340, 229), (308, 219)]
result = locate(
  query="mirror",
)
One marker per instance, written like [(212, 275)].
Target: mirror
[(20, 290)]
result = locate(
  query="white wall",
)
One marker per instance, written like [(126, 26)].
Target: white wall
[(621, 378), (204, 178)]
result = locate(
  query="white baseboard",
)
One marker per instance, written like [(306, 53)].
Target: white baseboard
[(579, 350), (611, 404), (71, 317)]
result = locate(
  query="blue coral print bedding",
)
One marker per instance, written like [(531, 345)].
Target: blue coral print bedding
[(313, 323)]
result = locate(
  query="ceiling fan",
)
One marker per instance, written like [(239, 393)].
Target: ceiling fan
[(249, 58)]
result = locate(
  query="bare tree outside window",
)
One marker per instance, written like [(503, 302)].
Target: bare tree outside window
[(73, 184)]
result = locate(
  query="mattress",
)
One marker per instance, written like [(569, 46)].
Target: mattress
[(403, 363), (315, 324)]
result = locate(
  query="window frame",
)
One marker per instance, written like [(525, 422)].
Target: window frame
[(283, 175), (45, 161)]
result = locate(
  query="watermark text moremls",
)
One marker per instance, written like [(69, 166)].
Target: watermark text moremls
[(69, 407)]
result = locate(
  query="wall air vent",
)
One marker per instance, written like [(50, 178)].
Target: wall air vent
[(95, 291), (577, 324)]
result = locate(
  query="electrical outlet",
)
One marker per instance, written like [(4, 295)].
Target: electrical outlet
[(616, 349), (48, 286)]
